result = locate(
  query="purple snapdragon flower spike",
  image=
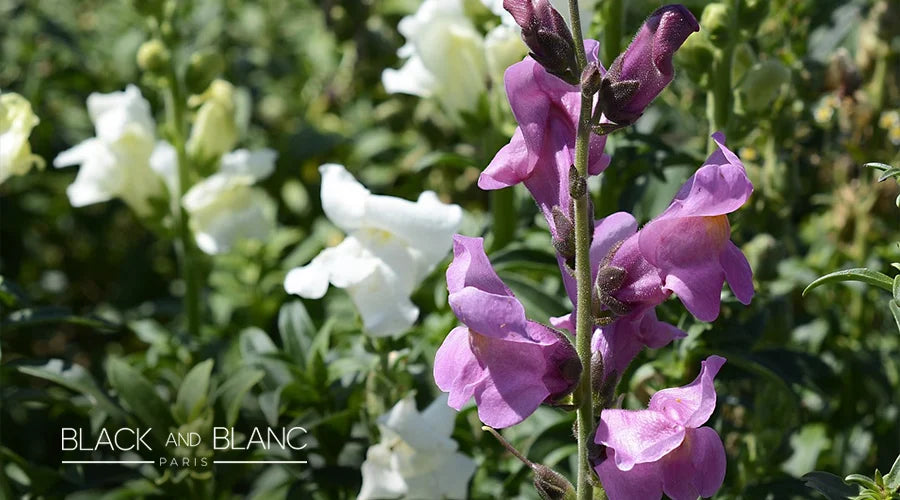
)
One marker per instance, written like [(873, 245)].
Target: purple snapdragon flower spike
[(548, 38), (510, 365), (664, 449), (687, 249), (640, 73), (542, 150)]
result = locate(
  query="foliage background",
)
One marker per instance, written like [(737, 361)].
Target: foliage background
[(812, 382)]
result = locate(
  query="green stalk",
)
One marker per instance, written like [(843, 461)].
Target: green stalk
[(719, 100), (583, 321), (184, 245), (613, 21), (504, 211)]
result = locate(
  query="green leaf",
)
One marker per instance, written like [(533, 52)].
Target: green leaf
[(894, 305), (52, 315), (862, 274), (864, 481), (892, 478), (897, 287), (192, 395), (232, 392), (270, 404), (829, 485), (139, 394), (76, 378), (296, 329)]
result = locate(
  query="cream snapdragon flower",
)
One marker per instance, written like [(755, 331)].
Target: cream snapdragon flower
[(16, 121), (226, 207), (446, 58), (391, 246), (416, 457), (116, 162)]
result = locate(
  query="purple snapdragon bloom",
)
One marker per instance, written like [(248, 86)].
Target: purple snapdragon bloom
[(640, 73), (687, 249), (664, 449), (510, 365), (542, 149)]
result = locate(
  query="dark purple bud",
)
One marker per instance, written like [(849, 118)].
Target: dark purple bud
[(640, 73), (547, 37)]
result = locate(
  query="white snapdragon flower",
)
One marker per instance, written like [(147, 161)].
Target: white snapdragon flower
[(416, 457), (226, 207), (392, 245), (16, 121), (446, 57), (115, 163)]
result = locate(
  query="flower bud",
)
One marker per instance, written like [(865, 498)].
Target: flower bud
[(716, 21), (591, 78), (547, 36), (551, 485), (640, 73), (153, 56), (204, 66), (762, 85), (16, 122), (215, 128)]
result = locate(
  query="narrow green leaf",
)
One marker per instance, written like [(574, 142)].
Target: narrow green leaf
[(894, 305), (76, 378), (897, 287), (37, 316), (232, 392), (192, 395), (892, 478), (296, 329), (139, 394), (864, 481), (829, 485), (270, 403), (862, 274)]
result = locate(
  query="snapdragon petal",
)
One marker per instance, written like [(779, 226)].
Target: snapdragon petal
[(719, 187), (456, 369), (696, 468), (638, 436), (691, 405), (343, 197), (259, 163), (471, 267), (643, 481), (737, 272)]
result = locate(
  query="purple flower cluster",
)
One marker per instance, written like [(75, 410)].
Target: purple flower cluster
[(511, 365)]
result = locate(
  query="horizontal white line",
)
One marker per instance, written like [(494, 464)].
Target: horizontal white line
[(259, 461), (107, 461)]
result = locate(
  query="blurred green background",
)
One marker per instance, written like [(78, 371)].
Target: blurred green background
[(812, 383)]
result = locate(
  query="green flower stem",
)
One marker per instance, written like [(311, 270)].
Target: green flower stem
[(504, 211), (613, 21), (719, 101), (184, 245), (583, 321)]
